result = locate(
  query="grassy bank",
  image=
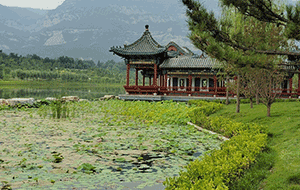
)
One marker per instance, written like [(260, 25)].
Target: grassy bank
[(279, 166)]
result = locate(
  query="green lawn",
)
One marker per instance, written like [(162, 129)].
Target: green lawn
[(278, 167)]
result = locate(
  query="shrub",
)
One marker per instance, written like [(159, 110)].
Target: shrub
[(207, 108), (219, 168), (166, 112), (59, 109)]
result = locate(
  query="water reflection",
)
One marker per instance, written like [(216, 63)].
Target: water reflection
[(83, 93)]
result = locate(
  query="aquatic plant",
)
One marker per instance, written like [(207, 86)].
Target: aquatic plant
[(87, 168)]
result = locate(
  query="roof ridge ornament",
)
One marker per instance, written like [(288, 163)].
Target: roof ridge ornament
[(147, 27)]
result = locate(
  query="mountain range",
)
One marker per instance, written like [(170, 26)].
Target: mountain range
[(88, 28)]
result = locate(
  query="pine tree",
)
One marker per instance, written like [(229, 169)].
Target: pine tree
[(214, 36), (238, 40)]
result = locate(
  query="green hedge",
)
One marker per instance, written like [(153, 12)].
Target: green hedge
[(221, 167), (165, 112), (204, 107)]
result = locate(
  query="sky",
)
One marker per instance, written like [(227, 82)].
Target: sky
[(37, 4), (52, 4)]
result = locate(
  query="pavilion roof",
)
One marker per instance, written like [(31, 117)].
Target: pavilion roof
[(145, 45), (189, 62), (179, 49)]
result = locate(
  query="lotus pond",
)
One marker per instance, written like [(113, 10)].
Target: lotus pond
[(92, 149)]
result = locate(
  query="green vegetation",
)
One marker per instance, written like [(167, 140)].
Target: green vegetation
[(166, 112), (278, 166), (100, 138), (87, 168), (114, 137), (34, 68), (220, 168), (203, 108)]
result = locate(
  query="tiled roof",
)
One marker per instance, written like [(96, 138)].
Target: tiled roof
[(179, 49), (189, 62), (146, 45)]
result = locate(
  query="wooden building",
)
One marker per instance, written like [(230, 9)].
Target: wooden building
[(175, 70)]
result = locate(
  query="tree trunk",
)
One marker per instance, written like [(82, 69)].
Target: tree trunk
[(257, 98), (251, 102), (227, 92), (268, 110), (238, 95)]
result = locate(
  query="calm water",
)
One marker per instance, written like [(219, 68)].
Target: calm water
[(82, 93)]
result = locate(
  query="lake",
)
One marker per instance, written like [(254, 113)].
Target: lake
[(44, 90)]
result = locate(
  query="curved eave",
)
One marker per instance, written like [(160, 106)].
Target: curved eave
[(122, 53), (188, 67), (179, 49)]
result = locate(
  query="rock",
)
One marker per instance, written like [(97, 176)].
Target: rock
[(50, 99), (70, 98), (22, 101), (83, 100), (3, 102), (108, 97)]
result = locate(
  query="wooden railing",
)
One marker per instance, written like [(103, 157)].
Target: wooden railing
[(196, 91)]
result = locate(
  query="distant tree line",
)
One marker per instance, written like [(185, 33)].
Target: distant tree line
[(33, 67)]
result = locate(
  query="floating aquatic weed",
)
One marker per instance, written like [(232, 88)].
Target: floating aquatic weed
[(120, 160), (57, 157), (6, 187), (143, 147), (87, 168)]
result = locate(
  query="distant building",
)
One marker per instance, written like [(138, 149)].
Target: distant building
[(174, 70)]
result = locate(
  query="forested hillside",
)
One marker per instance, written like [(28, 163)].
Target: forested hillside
[(33, 67)]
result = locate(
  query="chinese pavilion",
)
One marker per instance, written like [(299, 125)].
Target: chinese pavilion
[(172, 70)]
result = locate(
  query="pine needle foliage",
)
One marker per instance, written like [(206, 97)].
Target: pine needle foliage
[(213, 35)]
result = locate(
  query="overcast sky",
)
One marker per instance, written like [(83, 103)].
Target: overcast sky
[(39, 4), (52, 4)]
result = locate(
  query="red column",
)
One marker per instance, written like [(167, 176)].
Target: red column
[(190, 83), (155, 75), (143, 80), (291, 84), (127, 76), (166, 80), (215, 84), (149, 81), (136, 77)]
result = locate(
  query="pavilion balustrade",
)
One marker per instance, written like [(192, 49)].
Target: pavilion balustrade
[(158, 84)]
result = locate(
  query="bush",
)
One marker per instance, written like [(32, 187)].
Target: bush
[(166, 112), (205, 107), (220, 168)]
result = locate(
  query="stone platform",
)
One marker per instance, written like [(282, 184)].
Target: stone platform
[(162, 98)]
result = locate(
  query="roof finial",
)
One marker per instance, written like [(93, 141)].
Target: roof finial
[(147, 27)]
